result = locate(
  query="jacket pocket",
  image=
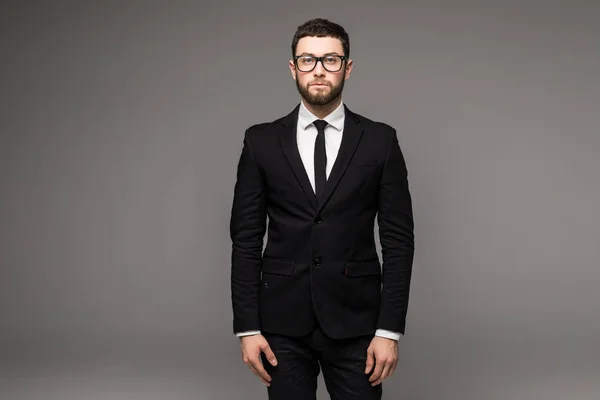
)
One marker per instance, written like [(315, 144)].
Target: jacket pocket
[(278, 266), (365, 163), (363, 268)]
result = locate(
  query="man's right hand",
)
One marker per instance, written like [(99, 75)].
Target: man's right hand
[(252, 346)]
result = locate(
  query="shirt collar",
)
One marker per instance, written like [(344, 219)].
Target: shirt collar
[(335, 118)]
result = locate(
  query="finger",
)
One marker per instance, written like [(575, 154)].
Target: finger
[(393, 368), (258, 375), (379, 364), (384, 374), (370, 361), (260, 370), (270, 355), (255, 372)]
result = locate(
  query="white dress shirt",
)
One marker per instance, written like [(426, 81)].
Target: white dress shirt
[(306, 136)]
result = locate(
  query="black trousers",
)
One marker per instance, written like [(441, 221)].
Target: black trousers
[(300, 360)]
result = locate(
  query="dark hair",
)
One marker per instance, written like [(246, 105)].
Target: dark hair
[(321, 27)]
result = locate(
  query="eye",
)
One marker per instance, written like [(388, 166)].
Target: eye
[(307, 59), (330, 60)]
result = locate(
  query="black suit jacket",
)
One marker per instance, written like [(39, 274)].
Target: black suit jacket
[(320, 261)]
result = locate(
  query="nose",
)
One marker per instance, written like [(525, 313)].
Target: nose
[(319, 69)]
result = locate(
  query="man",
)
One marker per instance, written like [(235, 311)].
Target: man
[(317, 298)]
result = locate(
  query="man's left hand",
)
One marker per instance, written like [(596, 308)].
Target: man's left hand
[(383, 353)]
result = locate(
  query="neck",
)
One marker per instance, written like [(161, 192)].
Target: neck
[(324, 110)]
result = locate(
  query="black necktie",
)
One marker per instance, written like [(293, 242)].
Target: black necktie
[(320, 157)]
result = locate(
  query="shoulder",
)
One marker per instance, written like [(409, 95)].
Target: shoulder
[(380, 128), (261, 130), (261, 137), (258, 129)]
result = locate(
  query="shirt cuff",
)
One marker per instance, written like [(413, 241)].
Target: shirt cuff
[(387, 334), (247, 333)]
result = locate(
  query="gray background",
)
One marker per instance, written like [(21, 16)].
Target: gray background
[(121, 124)]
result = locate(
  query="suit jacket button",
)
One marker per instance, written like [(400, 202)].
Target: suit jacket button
[(317, 261), (318, 220)]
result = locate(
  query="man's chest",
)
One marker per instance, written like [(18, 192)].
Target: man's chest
[(306, 149)]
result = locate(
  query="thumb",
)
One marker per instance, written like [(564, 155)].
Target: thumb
[(370, 361), (270, 355)]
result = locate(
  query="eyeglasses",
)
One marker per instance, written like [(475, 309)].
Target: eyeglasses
[(332, 63)]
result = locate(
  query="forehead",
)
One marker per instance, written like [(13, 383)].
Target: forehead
[(319, 45)]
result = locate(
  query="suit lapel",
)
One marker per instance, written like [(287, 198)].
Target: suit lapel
[(289, 144), (350, 138)]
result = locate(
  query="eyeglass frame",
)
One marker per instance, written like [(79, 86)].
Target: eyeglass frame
[(320, 60)]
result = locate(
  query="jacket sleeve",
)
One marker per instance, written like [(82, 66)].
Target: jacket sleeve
[(247, 230), (396, 233)]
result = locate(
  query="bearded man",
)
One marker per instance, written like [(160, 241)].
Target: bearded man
[(317, 297)]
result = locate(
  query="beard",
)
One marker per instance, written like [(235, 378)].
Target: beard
[(320, 99)]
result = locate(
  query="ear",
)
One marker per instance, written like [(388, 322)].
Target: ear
[(349, 66), (292, 69)]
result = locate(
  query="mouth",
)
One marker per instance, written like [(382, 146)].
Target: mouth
[(319, 84)]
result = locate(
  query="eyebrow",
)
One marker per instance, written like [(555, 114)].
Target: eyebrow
[(334, 53)]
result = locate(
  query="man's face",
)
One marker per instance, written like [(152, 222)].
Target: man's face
[(320, 86)]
